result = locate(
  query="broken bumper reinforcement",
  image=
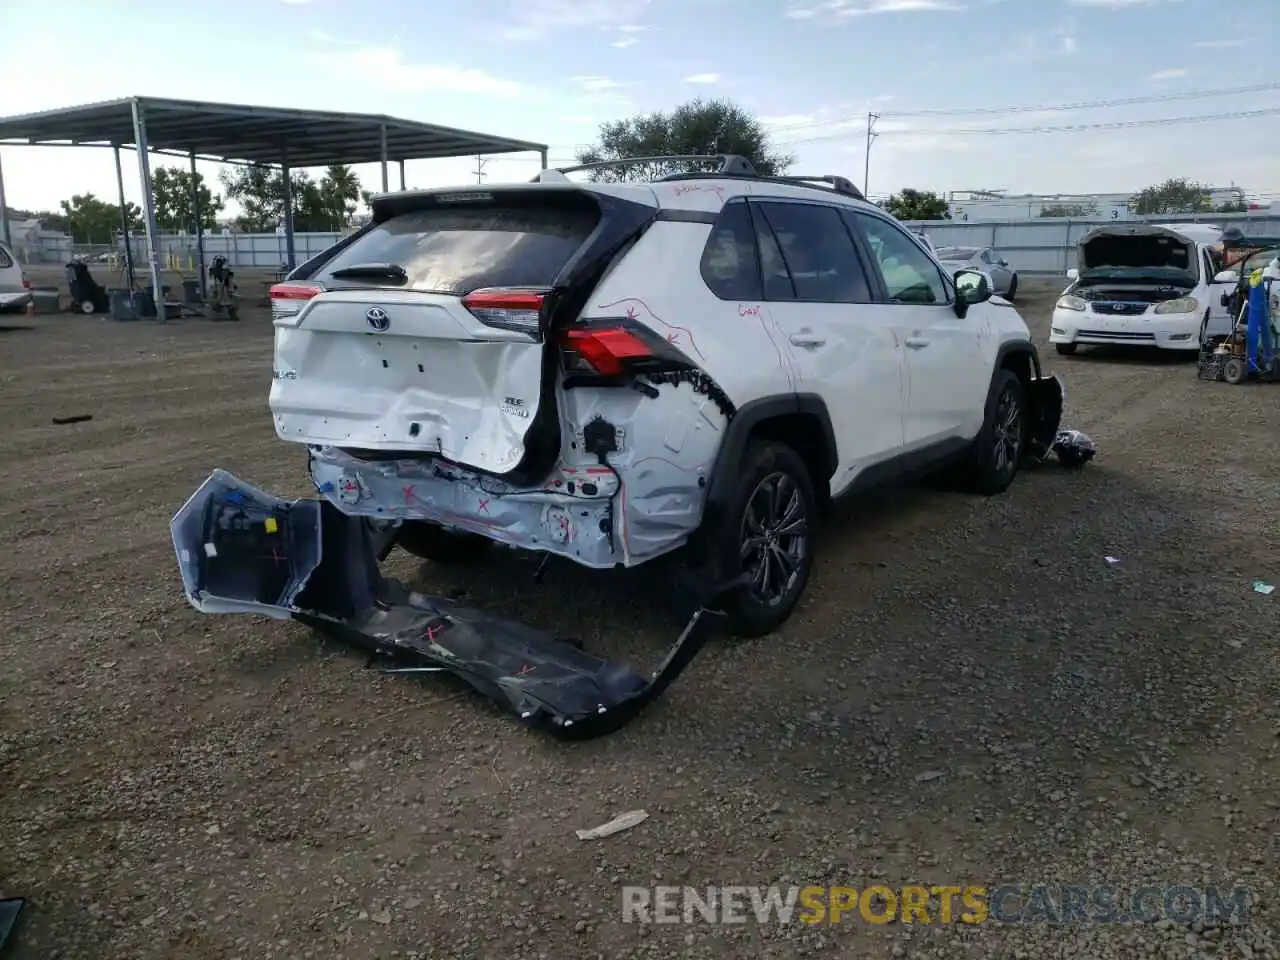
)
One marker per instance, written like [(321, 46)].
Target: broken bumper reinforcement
[(242, 550)]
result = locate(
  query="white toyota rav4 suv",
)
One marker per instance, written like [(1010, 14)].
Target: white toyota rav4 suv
[(611, 372)]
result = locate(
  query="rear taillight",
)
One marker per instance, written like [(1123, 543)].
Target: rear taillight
[(607, 351), (288, 299), (508, 308), (26, 284)]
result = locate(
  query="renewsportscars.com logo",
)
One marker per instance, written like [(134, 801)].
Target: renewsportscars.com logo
[(969, 904)]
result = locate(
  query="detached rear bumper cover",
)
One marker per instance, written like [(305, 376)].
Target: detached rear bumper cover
[(242, 550)]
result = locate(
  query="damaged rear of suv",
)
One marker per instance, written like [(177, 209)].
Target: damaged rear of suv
[(458, 368), (692, 367)]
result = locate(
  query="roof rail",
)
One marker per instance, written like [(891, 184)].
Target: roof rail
[(730, 165), (839, 184)]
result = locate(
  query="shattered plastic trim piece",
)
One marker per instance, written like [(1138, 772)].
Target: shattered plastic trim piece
[(305, 560)]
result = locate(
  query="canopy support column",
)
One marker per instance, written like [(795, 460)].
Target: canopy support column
[(148, 207)]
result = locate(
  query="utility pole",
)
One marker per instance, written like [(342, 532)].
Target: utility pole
[(481, 163), (871, 135)]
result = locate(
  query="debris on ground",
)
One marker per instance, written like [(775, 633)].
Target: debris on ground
[(624, 821)]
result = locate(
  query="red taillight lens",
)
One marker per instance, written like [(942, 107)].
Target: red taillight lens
[(508, 309), (288, 299), (607, 349), (26, 284)]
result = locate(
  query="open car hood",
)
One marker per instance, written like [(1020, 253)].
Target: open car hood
[(1136, 247)]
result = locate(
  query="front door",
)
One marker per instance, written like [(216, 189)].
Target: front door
[(946, 358)]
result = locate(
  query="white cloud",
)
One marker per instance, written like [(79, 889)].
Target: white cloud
[(1162, 76), (843, 9), (1222, 44), (529, 20), (596, 84), (624, 43), (383, 67), (1117, 4), (703, 78)]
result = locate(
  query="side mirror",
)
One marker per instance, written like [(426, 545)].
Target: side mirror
[(1227, 276), (971, 288), (1003, 262), (1073, 274)]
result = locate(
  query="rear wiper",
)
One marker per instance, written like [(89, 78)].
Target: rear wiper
[(372, 271)]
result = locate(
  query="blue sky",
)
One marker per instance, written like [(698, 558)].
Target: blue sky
[(552, 70)]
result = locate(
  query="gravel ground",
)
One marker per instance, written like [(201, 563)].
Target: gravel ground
[(969, 694)]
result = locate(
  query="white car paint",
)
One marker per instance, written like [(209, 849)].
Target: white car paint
[(15, 291), (1078, 320), (896, 376)]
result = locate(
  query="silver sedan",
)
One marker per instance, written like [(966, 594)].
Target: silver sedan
[(1003, 278)]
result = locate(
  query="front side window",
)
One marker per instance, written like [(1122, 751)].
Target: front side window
[(908, 273), (806, 254)]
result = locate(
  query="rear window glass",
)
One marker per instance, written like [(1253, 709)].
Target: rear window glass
[(455, 251), (6, 261)]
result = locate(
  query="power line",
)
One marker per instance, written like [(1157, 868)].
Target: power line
[(1064, 128), (1046, 108)]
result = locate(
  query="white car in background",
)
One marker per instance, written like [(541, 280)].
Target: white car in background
[(1001, 277), (15, 290), (1142, 285)]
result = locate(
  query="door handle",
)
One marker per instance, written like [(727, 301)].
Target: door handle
[(916, 343), (807, 340)]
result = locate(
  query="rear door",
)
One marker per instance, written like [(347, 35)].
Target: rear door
[(428, 332), (844, 347)]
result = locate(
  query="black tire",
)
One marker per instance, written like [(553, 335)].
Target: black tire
[(998, 448), (1013, 289), (426, 541), (1204, 328), (773, 505), (1066, 349)]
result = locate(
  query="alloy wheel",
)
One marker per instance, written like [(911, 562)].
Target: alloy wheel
[(1007, 439), (775, 538)]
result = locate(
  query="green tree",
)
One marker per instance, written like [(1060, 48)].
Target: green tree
[(1070, 210), (917, 205), (339, 192), (1234, 206), (698, 128), (321, 206), (1177, 195), (51, 220), (172, 189), (90, 220)]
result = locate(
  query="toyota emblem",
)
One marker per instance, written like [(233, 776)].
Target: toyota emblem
[(378, 318)]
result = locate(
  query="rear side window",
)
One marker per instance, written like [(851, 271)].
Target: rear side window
[(455, 250), (6, 261), (806, 253), (730, 266)]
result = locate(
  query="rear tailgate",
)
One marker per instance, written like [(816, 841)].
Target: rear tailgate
[(427, 333)]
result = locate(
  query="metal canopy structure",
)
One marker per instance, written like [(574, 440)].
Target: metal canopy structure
[(242, 135)]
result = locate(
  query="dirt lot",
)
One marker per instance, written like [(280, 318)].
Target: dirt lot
[(970, 694)]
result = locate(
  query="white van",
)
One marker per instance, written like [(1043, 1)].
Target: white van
[(15, 291), (1143, 285)]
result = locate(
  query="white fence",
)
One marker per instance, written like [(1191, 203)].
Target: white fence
[(1047, 244)]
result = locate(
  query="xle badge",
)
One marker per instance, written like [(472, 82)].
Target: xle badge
[(515, 407)]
